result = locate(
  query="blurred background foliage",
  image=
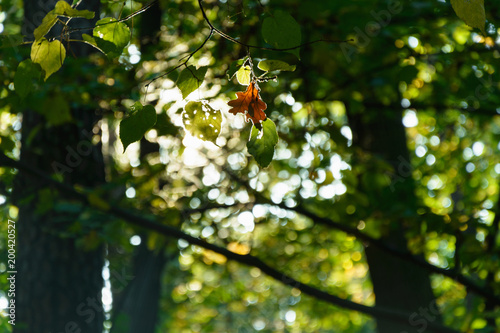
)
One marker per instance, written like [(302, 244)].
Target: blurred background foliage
[(425, 63)]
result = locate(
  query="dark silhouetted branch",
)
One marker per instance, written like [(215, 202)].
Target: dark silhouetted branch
[(404, 255), (247, 259)]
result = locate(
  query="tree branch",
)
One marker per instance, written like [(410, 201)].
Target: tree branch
[(234, 40), (249, 260), (184, 63), (404, 255)]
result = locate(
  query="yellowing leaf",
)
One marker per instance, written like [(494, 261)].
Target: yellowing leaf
[(64, 9), (471, 12), (47, 23), (243, 75), (50, 55)]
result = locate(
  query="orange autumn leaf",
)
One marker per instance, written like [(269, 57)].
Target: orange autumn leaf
[(250, 104)]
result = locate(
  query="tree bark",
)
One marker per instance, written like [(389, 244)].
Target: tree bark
[(397, 284), (59, 281)]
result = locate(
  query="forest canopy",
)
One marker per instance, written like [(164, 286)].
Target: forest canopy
[(249, 166)]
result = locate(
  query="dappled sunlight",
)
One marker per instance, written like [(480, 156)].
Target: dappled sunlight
[(269, 166)]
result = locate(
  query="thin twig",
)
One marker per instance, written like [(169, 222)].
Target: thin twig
[(126, 18), (184, 63), (234, 40)]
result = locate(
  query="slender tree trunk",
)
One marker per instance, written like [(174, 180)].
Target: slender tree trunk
[(397, 284), (59, 281), (136, 309)]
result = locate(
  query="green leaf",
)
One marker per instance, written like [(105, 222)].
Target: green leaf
[(111, 36), (90, 40), (234, 67), (243, 75), (50, 55), (261, 144), (164, 127), (133, 128), (202, 121), (190, 79), (136, 107), (26, 72), (64, 9), (282, 32), (471, 12), (275, 65), (56, 110), (10, 41), (7, 143), (47, 23)]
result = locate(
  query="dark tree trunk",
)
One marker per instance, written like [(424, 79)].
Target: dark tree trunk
[(136, 309), (59, 280), (397, 284)]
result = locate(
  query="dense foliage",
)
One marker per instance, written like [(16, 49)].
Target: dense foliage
[(217, 124)]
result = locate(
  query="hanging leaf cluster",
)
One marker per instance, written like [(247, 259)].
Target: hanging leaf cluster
[(250, 104), (111, 36)]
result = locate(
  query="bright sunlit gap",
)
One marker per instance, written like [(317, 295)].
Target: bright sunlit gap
[(410, 118), (4, 303), (259, 324), (135, 54), (246, 220), (107, 297), (135, 240), (130, 193), (290, 316), (478, 148), (413, 42)]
